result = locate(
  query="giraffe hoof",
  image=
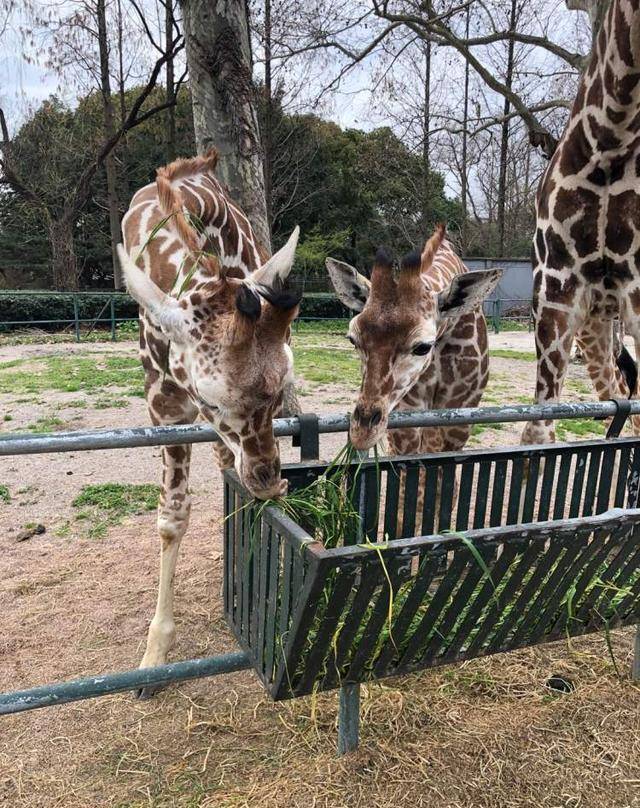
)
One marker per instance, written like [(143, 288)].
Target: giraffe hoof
[(148, 692)]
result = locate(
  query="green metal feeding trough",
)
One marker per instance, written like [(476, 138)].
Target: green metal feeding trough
[(505, 549)]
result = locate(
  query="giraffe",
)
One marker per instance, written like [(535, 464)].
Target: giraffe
[(586, 248), (214, 326), (422, 341)]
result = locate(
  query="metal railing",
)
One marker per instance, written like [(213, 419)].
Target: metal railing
[(131, 437), (95, 686)]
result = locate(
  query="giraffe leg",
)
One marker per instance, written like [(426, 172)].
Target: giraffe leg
[(449, 439), (630, 325), (404, 442), (173, 519), (596, 342), (555, 330)]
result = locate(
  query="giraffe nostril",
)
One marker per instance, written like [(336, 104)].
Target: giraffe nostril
[(367, 419)]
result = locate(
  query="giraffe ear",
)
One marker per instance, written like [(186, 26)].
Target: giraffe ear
[(163, 309), (466, 292), (276, 270), (351, 287)]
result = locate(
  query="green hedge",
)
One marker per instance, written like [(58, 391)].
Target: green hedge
[(29, 308), (58, 306), (323, 305)]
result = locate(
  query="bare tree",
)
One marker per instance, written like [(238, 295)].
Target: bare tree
[(504, 142), (109, 120), (170, 30)]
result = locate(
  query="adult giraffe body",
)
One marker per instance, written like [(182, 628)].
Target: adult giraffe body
[(422, 339), (214, 322), (587, 241)]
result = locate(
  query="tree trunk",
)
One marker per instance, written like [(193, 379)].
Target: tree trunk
[(426, 130), (121, 76), (109, 131), (267, 135), (170, 87), (63, 255), (223, 96), (464, 177), (504, 143), (596, 9)]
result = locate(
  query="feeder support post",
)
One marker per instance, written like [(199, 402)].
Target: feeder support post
[(349, 704), (349, 719)]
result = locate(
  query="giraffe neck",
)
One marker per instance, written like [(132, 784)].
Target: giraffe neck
[(222, 227), (608, 100), (446, 265)]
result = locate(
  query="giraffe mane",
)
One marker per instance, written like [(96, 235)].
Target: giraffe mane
[(172, 203)]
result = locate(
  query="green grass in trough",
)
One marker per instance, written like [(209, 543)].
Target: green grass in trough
[(326, 510)]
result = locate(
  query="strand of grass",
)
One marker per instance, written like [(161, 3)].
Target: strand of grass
[(480, 561), (154, 232), (378, 547), (607, 639)]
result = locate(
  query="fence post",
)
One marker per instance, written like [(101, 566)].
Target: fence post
[(76, 317), (112, 311), (496, 316), (349, 700)]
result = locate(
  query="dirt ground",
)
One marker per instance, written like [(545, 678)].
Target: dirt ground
[(486, 733)]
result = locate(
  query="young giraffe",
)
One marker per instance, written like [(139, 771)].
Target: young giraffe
[(422, 339), (213, 342), (587, 242)]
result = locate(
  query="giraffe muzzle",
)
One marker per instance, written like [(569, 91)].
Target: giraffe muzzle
[(367, 426), (264, 481)]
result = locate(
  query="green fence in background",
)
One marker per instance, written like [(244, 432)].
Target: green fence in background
[(82, 313)]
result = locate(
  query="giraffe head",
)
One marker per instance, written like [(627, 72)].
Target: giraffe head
[(402, 320), (228, 348)]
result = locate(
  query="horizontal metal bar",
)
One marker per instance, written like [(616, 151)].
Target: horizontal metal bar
[(78, 689), (129, 437)]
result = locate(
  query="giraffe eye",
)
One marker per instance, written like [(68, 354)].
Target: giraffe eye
[(421, 349)]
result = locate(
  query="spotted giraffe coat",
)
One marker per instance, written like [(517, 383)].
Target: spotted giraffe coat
[(586, 250), (459, 372)]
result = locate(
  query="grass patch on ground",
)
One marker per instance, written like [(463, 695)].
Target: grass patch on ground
[(580, 387), (570, 428), (478, 429), (322, 366), (47, 424), (78, 403), (109, 503), (509, 325), (508, 353), (71, 374), (5, 496), (110, 402)]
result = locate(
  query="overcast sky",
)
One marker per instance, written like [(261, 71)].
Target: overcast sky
[(24, 84)]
